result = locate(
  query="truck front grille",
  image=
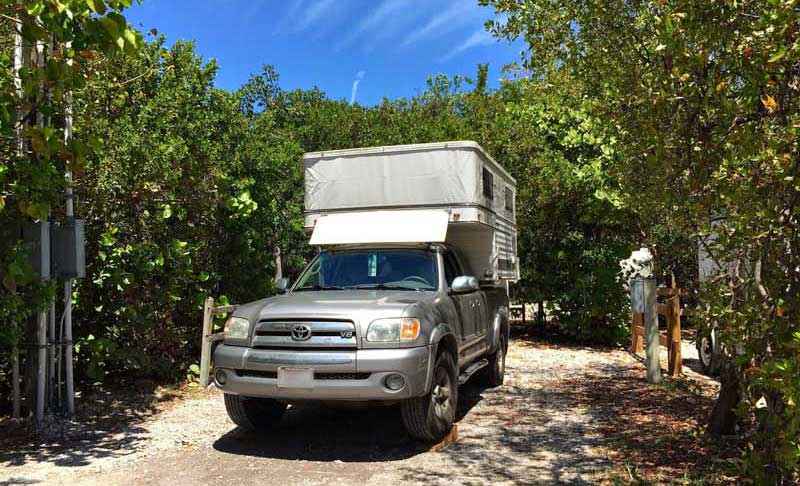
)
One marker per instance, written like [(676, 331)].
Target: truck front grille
[(317, 376), (305, 335)]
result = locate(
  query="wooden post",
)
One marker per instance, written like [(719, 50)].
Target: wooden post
[(637, 333), (674, 335), (278, 266), (652, 336), (205, 349)]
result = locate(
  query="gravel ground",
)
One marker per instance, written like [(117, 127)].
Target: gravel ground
[(532, 430)]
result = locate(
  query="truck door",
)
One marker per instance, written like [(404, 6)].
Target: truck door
[(466, 304)]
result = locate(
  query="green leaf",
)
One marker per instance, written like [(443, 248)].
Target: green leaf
[(97, 6)]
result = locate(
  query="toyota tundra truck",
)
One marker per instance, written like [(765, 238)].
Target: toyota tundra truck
[(406, 298), (399, 324)]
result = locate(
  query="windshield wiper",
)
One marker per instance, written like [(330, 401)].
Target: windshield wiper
[(384, 287), (321, 287)]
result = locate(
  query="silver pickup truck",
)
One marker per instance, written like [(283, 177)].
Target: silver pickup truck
[(396, 323)]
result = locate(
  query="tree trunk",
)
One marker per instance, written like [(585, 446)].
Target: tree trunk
[(723, 419), (540, 315)]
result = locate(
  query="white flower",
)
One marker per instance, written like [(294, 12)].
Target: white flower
[(638, 265)]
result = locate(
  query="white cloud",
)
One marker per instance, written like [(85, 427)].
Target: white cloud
[(313, 13), (354, 90), (458, 13), (478, 38), (372, 20)]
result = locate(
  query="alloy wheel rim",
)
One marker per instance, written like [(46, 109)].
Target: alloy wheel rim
[(442, 393), (705, 350)]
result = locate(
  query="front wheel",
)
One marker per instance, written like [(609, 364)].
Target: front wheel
[(253, 413), (431, 416)]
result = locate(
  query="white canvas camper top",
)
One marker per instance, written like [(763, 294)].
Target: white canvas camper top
[(451, 192)]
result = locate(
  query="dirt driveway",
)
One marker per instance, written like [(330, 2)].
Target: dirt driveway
[(538, 428)]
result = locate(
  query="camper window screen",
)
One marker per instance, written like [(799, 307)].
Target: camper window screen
[(488, 184), (509, 200)]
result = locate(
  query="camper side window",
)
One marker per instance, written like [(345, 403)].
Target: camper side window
[(488, 184)]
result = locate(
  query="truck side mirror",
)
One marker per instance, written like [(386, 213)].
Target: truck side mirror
[(464, 284), (282, 285)]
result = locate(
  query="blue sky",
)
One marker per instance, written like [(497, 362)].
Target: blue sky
[(368, 48)]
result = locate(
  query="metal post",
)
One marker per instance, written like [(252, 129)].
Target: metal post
[(651, 334), (69, 384), (41, 357), (41, 328), (70, 214), (51, 354), (18, 64), (205, 347)]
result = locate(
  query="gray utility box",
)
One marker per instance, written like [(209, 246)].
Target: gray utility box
[(37, 242), (67, 249)]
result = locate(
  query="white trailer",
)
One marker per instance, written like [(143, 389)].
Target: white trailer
[(451, 192)]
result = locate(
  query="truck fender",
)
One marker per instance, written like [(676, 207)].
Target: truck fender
[(441, 331), (499, 323)]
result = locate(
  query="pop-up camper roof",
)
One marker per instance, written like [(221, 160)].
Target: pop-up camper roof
[(452, 191), (431, 174)]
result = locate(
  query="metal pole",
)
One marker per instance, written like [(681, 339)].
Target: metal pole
[(15, 377), (41, 343), (51, 329), (51, 354), (18, 63), (70, 214), (41, 329), (68, 378), (652, 336)]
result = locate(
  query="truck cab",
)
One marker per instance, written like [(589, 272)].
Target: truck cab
[(392, 323)]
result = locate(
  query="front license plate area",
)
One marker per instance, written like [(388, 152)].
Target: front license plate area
[(294, 377)]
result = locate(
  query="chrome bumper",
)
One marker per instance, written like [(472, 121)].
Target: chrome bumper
[(414, 364)]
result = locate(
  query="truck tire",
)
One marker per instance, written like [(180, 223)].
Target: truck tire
[(708, 352), (253, 413), (431, 416), (496, 370)]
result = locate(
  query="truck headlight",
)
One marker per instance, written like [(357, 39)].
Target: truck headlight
[(393, 330), (237, 328)]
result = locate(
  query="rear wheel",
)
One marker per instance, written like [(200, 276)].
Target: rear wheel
[(431, 416), (253, 413), (496, 370)]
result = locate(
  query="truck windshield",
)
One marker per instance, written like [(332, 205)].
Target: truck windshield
[(391, 269)]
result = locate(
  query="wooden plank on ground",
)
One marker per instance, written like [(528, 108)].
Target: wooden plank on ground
[(451, 437)]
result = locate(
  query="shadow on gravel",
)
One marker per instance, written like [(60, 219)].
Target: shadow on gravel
[(326, 433), (107, 425), (525, 433)]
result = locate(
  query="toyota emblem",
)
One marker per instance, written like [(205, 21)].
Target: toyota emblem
[(301, 333)]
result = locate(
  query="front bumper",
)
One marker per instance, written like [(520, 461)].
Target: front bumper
[(360, 373)]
